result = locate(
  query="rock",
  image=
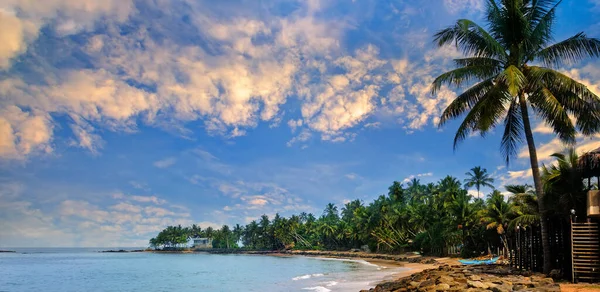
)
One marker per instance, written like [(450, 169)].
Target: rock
[(427, 283), (502, 288), (442, 287), (476, 284), (477, 278), (474, 278), (444, 279), (415, 284)]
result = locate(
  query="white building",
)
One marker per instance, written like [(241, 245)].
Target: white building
[(202, 242)]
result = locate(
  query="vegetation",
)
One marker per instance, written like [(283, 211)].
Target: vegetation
[(477, 178), (514, 62), (425, 217)]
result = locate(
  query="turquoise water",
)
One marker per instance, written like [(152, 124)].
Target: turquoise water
[(88, 270)]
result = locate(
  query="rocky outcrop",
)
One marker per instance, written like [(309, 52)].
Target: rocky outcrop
[(470, 278)]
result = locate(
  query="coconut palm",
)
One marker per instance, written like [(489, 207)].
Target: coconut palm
[(563, 184), (506, 60), (478, 177), (525, 205), (499, 214)]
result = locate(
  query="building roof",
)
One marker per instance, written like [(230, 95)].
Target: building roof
[(589, 164)]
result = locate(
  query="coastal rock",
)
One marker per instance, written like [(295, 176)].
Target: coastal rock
[(476, 278), (427, 283), (442, 287), (444, 279), (477, 284), (502, 288)]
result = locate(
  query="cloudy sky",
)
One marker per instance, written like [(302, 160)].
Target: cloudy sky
[(120, 117)]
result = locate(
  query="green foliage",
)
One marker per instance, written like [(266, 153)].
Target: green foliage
[(424, 217)]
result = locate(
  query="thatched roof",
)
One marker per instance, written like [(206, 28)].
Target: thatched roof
[(589, 163)]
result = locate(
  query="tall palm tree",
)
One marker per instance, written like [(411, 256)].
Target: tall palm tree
[(500, 58), (478, 177)]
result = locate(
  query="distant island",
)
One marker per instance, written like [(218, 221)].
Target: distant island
[(7, 251)]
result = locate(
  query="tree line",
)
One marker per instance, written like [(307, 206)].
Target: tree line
[(427, 217)]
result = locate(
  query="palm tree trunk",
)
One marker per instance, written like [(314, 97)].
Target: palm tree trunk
[(537, 182)]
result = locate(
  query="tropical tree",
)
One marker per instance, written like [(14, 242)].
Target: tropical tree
[(525, 205), (499, 213), (504, 59), (563, 184), (478, 177)]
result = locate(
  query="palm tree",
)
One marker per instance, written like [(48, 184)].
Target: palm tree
[(519, 33), (563, 184), (478, 177), (499, 214), (519, 189)]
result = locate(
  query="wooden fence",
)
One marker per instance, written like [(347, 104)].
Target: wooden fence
[(525, 247)]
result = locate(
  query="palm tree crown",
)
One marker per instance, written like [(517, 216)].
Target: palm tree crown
[(513, 62), (478, 177)]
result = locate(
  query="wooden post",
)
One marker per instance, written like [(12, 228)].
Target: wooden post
[(572, 257)]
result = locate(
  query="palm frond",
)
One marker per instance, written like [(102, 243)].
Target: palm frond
[(541, 19), (551, 110), (459, 76), (573, 49), (471, 39), (479, 61), (524, 220), (513, 79), (480, 118), (466, 101), (575, 97), (513, 131)]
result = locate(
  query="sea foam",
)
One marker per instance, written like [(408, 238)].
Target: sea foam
[(317, 288), (307, 276)]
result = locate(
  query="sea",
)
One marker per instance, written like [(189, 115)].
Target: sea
[(87, 269)]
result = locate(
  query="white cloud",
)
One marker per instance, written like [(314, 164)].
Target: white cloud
[(118, 221), (545, 150), (21, 20), (141, 199), (22, 133), (302, 137), (460, 6), (245, 83), (164, 163), (15, 34), (412, 176), (127, 207)]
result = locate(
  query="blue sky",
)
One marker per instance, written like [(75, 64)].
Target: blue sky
[(120, 117)]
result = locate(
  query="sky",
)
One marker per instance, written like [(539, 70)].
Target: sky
[(121, 117)]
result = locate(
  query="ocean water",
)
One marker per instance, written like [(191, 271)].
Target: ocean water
[(88, 270)]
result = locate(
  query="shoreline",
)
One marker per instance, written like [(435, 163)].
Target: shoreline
[(413, 263)]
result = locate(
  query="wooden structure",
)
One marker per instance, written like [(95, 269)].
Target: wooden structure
[(525, 247), (585, 237), (586, 252)]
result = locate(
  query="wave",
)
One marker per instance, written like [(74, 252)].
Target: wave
[(317, 288), (307, 276), (331, 283), (350, 260)]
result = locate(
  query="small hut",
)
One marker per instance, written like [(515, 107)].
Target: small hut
[(589, 165)]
